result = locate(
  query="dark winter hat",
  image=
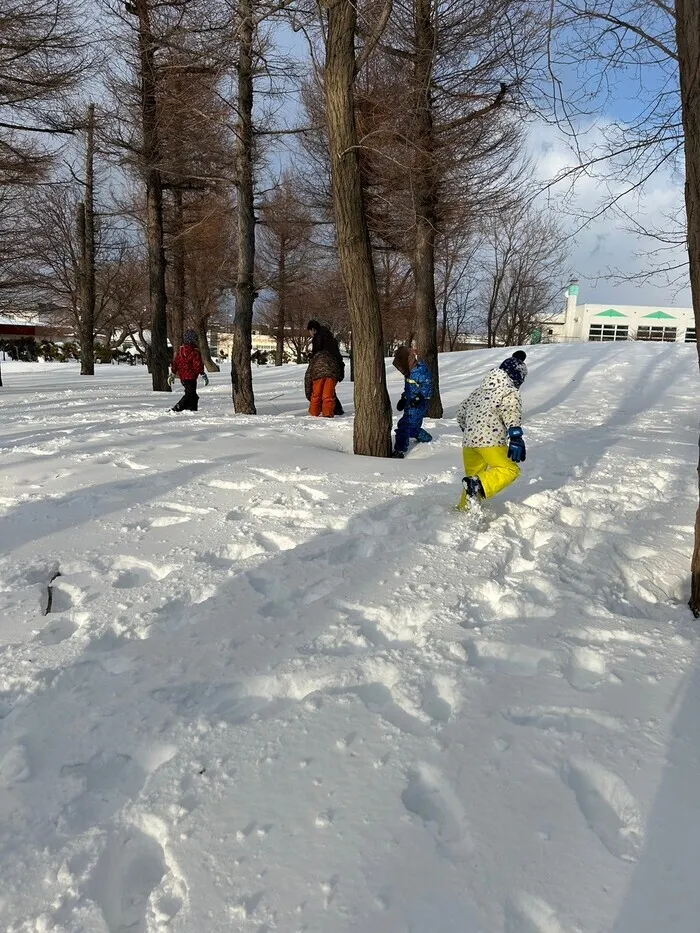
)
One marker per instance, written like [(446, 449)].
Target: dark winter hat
[(515, 367), (313, 325), (403, 359), (190, 338)]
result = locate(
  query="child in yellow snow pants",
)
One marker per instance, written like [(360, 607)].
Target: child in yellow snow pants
[(490, 419), (492, 466)]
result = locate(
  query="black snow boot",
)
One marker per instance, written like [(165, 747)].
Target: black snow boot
[(473, 488)]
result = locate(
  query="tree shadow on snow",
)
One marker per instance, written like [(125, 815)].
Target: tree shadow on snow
[(38, 518), (554, 457), (664, 894), (243, 647)]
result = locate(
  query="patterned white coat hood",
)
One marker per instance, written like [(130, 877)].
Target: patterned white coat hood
[(487, 413)]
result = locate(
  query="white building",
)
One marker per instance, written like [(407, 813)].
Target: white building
[(619, 322), (266, 343)]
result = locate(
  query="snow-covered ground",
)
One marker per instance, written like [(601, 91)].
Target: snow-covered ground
[(282, 688)]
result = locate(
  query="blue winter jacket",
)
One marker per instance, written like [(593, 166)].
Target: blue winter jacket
[(418, 382)]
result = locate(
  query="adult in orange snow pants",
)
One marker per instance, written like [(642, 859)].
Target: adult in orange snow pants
[(324, 372), (323, 397)]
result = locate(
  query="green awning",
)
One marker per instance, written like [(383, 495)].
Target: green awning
[(611, 312), (660, 315)]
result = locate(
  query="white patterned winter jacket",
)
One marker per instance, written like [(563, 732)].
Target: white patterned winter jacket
[(487, 413)]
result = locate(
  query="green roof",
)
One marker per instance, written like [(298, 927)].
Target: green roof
[(611, 312), (660, 314)]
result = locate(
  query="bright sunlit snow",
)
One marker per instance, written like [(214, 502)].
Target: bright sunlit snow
[(283, 688)]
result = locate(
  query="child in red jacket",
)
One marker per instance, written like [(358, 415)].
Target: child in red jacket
[(188, 365)]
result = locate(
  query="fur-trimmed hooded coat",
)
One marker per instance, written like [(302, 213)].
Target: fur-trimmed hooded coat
[(487, 413), (323, 365)]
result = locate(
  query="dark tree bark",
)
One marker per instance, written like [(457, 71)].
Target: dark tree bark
[(372, 430), (688, 40), (204, 348), (444, 325), (86, 246), (159, 359), (425, 198), (241, 370), (282, 300), (177, 312)]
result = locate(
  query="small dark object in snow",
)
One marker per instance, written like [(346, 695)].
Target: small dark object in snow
[(48, 595)]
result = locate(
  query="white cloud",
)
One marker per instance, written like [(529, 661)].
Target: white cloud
[(608, 246)]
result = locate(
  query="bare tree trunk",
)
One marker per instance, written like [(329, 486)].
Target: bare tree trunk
[(177, 312), (443, 335), (491, 321), (241, 371), (282, 299), (86, 260), (425, 197), (688, 40), (159, 360), (204, 348), (372, 430)]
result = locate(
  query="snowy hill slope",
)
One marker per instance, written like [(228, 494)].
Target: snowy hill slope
[(282, 688)]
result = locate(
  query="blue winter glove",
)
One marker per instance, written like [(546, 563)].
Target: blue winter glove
[(171, 379), (401, 404), (516, 445), (206, 379), (417, 401)]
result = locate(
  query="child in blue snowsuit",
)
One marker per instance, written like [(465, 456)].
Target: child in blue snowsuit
[(414, 402)]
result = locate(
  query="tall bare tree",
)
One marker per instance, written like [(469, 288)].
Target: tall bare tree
[(523, 263), (197, 174), (148, 47), (373, 419), (43, 53), (209, 248), (165, 88), (285, 256), (457, 252), (688, 45), (450, 147), (87, 253), (241, 373), (54, 261)]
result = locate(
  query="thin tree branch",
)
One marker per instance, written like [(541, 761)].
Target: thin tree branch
[(372, 42)]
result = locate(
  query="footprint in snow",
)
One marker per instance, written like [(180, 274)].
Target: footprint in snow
[(503, 658), (526, 913), (182, 509), (57, 631), (130, 465), (103, 784), (438, 700), (165, 521), (240, 549), (608, 806), (15, 767), (133, 572), (130, 868), (586, 669), (567, 720), (429, 796), (240, 485)]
